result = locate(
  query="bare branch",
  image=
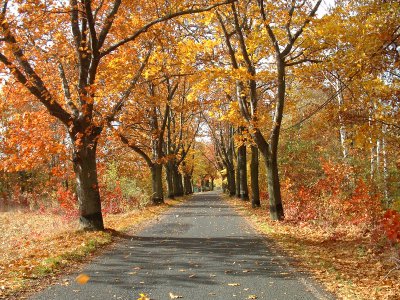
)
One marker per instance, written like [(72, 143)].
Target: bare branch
[(228, 43), (92, 29), (289, 46), (75, 23), (135, 148), (303, 61), (66, 89), (108, 23)]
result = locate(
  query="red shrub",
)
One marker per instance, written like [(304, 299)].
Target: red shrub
[(335, 199), (391, 225)]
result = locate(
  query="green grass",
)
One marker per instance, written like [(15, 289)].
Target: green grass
[(52, 265)]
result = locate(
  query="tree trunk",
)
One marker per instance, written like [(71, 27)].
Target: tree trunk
[(212, 184), (342, 129), (87, 187), (187, 183), (170, 180), (385, 170), (271, 153), (274, 189), (231, 180), (242, 167), (156, 180), (237, 178), (178, 186), (255, 198)]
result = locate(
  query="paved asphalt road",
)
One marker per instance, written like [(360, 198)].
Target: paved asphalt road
[(201, 249)]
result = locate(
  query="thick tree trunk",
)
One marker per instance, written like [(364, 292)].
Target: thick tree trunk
[(170, 180), (274, 188), (255, 189), (87, 187), (231, 181), (178, 186), (187, 184), (242, 167), (156, 180), (271, 153)]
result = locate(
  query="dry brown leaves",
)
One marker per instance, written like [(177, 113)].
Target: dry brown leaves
[(347, 265)]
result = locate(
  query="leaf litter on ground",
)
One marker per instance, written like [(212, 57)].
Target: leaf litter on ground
[(349, 265), (38, 245)]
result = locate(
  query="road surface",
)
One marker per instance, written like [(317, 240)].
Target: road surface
[(201, 249)]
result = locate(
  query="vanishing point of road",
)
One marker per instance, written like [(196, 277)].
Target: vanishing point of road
[(201, 249)]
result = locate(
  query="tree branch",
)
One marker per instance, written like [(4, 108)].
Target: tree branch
[(159, 20), (67, 92), (119, 105)]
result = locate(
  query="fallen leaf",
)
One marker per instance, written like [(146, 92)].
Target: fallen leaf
[(172, 296), (192, 275), (82, 278), (234, 284), (143, 297), (252, 297)]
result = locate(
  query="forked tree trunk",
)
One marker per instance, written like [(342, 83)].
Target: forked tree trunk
[(242, 168), (254, 173), (87, 187), (156, 180)]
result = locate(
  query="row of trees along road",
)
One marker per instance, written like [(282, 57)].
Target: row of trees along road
[(154, 75), (88, 43)]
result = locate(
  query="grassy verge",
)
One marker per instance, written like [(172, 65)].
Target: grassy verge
[(350, 266), (37, 247)]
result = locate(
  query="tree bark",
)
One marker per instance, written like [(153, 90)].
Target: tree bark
[(255, 189), (237, 178), (187, 184), (87, 187), (388, 201), (178, 186), (242, 167), (231, 180), (274, 188), (170, 180), (156, 180)]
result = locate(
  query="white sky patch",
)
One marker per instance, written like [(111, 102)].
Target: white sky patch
[(325, 6)]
